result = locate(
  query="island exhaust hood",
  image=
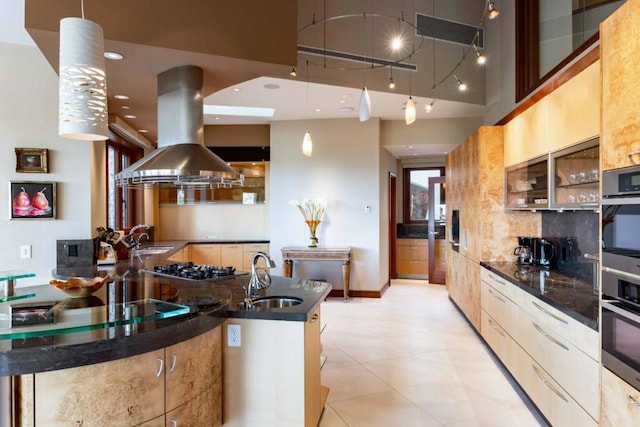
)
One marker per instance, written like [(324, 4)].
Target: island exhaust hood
[(181, 157)]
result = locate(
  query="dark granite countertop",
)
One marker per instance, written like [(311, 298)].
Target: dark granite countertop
[(53, 352), (571, 292)]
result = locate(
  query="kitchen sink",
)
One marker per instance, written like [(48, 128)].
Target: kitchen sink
[(276, 302), (151, 250)]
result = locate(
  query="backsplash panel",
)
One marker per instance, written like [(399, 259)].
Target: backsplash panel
[(581, 224)]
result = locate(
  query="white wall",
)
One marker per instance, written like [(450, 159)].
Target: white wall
[(344, 170), (29, 118)]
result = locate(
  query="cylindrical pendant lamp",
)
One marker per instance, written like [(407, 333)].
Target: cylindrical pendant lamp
[(307, 144), (365, 105), (83, 84)]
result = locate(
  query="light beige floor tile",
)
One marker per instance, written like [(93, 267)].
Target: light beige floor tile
[(348, 382), (495, 385), (336, 357), (449, 400), (513, 417), (330, 418), (383, 410), (409, 370)]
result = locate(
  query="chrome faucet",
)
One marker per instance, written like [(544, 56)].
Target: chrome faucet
[(134, 242), (256, 282)]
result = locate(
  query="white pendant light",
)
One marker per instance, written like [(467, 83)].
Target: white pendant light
[(410, 111), (365, 105), (307, 144), (82, 83)]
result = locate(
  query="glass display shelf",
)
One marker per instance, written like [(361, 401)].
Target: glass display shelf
[(7, 285), (577, 176), (46, 318)]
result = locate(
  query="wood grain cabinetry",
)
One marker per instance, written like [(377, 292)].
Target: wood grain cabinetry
[(412, 257), (619, 46), (620, 402), (552, 356), (136, 390), (205, 253), (527, 135), (231, 255), (463, 285), (248, 250), (274, 377), (181, 255)]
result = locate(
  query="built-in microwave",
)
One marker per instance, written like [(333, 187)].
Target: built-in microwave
[(621, 217)]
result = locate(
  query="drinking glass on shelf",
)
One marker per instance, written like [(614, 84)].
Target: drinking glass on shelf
[(571, 198), (582, 177), (593, 176), (582, 197), (593, 196), (573, 177)]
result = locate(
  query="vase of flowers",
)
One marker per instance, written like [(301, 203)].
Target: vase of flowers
[(312, 210)]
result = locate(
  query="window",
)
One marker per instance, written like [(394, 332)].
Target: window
[(124, 209), (416, 193), (551, 33)]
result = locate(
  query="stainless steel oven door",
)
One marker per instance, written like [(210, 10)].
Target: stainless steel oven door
[(621, 227), (619, 280), (621, 341)]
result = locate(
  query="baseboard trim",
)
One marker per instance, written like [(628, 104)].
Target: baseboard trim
[(339, 293)]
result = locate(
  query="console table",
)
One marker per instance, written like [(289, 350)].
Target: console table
[(304, 253)]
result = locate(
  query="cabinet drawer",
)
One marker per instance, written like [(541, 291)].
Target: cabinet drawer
[(576, 372), (413, 252), (618, 402), (413, 242), (554, 402), (552, 319), (413, 267), (503, 286), (499, 340), (499, 306)]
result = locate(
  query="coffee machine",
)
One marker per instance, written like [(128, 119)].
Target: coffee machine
[(568, 253), (524, 251)]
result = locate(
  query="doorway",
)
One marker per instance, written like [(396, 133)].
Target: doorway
[(393, 271), (437, 230)]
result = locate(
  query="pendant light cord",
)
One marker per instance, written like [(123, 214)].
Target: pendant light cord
[(82, 8)]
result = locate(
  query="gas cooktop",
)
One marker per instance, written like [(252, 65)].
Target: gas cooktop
[(191, 271)]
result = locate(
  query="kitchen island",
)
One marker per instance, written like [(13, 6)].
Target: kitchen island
[(152, 369)]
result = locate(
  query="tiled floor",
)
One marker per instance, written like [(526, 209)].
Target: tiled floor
[(411, 359)]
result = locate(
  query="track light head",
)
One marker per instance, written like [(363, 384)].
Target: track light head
[(493, 12)]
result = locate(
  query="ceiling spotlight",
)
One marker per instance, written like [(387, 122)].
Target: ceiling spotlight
[(130, 116), (396, 43), (236, 89), (480, 58), (293, 72), (462, 86), (143, 130), (429, 106), (120, 96), (392, 84), (115, 56), (493, 12)]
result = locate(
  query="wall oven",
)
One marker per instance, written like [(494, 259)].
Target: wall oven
[(620, 320)]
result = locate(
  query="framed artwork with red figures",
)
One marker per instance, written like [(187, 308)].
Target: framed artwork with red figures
[(33, 199)]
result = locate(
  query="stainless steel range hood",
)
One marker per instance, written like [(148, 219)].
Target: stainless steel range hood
[(181, 157)]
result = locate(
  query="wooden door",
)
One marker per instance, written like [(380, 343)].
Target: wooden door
[(393, 272), (437, 264)]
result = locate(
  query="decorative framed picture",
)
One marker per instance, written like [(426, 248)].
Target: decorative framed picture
[(32, 200), (32, 160)]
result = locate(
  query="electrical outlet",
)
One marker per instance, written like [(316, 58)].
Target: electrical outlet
[(25, 251), (233, 335), (367, 208)]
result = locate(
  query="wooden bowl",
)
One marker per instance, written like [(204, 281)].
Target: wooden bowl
[(76, 287)]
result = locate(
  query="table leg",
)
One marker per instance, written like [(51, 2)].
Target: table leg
[(7, 288), (346, 274), (287, 268), (6, 402)]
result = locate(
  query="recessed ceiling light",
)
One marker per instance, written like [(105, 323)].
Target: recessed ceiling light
[(143, 131), (217, 118), (271, 86), (130, 116), (346, 109), (317, 110), (410, 147), (236, 89), (346, 95), (342, 101), (125, 107), (113, 55), (120, 96), (228, 110)]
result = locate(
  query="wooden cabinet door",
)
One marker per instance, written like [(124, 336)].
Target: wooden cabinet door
[(122, 392), (192, 367), (619, 46), (527, 135), (249, 250), (208, 254), (619, 402), (201, 411), (312, 353), (231, 255)]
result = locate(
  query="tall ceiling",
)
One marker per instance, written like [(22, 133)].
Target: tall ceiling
[(247, 49)]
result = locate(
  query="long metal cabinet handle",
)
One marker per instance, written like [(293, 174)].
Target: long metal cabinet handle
[(174, 359), (547, 312), (498, 280), (633, 401), (160, 366), (620, 273), (496, 296), (549, 337), (497, 329), (548, 384)]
